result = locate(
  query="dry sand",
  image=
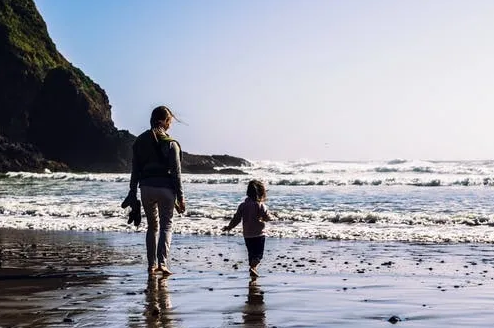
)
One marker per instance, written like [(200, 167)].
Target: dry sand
[(74, 279)]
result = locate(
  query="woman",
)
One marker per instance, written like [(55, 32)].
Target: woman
[(156, 168)]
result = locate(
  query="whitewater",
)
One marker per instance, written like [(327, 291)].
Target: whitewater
[(397, 200)]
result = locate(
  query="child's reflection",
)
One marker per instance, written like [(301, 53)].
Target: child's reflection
[(158, 308), (254, 312)]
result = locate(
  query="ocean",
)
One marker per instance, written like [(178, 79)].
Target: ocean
[(397, 200)]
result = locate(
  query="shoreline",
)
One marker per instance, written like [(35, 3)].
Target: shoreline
[(63, 278)]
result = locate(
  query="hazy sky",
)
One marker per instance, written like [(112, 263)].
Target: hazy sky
[(288, 80)]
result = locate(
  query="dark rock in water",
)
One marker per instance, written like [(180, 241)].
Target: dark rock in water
[(212, 164), (227, 160), (394, 319), (54, 116), (231, 171)]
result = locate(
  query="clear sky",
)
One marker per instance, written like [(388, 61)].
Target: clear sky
[(293, 79)]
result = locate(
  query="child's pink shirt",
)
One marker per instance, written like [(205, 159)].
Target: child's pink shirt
[(252, 214)]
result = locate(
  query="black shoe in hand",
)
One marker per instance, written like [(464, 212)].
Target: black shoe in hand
[(135, 205), (135, 214), (130, 200)]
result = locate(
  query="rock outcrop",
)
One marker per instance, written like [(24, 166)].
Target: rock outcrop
[(16, 156), (54, 116), (212, 164)]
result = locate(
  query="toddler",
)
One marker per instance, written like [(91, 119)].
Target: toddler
[(253, 214)]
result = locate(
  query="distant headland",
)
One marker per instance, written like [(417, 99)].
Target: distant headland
[(53, 116)]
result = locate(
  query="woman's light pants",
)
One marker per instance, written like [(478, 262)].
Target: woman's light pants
[(158, 204)]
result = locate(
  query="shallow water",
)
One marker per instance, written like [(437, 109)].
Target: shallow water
[(303, 283), (412, 201)]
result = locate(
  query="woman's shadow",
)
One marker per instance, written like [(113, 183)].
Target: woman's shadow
[(254, 311), (158, 303)]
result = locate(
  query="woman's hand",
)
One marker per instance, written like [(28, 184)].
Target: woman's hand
[(180, 206)]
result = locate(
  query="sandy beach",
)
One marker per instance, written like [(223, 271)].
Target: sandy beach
[(87, 279)]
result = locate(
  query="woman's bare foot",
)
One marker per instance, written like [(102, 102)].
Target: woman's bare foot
[(165, 270), (152, 270)]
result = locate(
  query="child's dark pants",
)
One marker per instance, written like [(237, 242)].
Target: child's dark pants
[(255, 248)]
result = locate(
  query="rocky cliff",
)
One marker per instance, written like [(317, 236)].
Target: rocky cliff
[(54, 116)]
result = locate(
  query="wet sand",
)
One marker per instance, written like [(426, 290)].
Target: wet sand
[(76, 279)]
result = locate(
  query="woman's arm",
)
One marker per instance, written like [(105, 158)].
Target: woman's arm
[(176, 173)]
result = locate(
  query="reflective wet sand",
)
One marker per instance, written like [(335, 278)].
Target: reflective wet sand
[(73, 279)]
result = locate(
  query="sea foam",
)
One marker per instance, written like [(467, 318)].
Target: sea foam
[(402, 200)]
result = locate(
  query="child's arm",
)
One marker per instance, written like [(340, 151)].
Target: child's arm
[(234, 221), (265, 214)]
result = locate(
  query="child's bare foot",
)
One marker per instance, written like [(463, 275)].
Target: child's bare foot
[(253, 272), (165, 270)]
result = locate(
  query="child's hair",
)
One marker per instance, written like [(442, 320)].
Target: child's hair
[(256, 191)]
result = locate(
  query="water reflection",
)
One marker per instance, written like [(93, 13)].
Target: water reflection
[(254, 312), (158, 303)]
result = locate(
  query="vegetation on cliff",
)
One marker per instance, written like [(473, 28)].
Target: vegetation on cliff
[(27, 37)]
